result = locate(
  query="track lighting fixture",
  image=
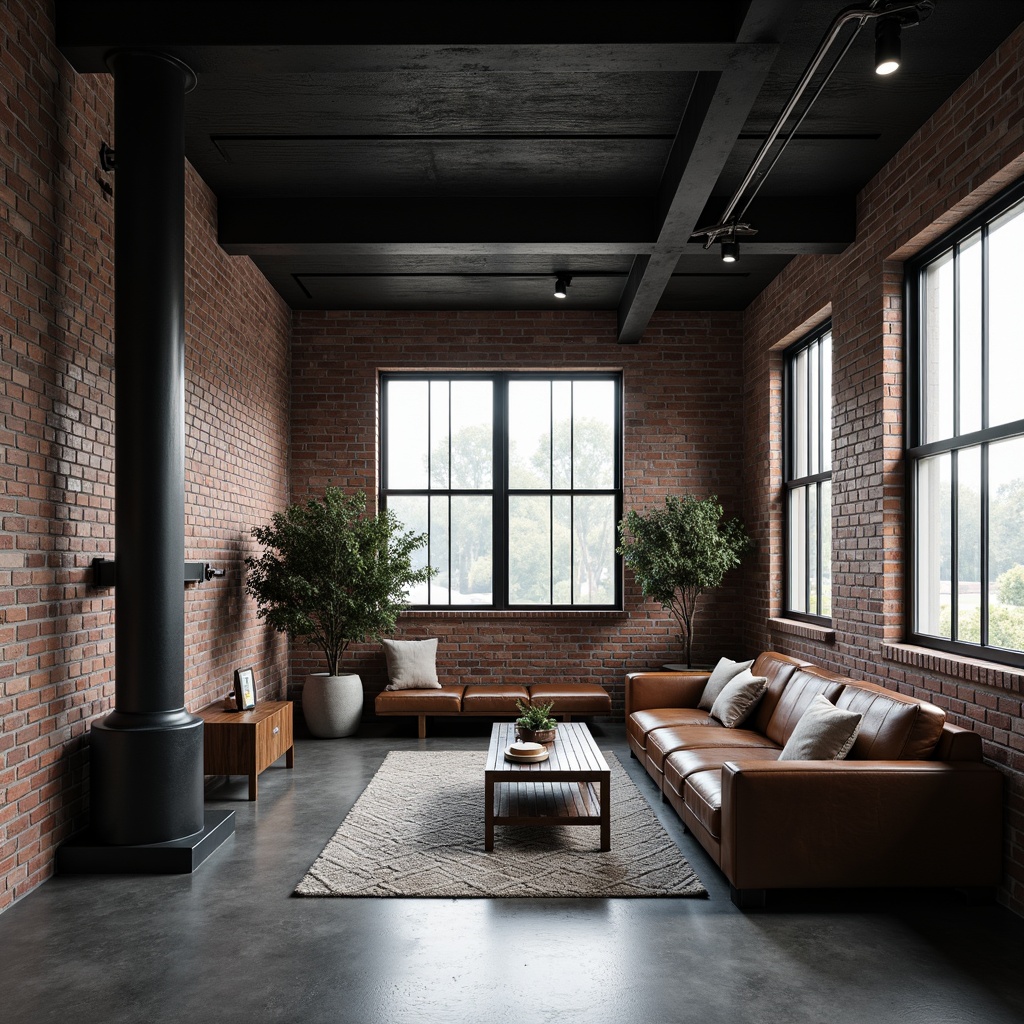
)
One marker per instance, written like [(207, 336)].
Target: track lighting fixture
[(887, 45), (890, 17), (562, 285)]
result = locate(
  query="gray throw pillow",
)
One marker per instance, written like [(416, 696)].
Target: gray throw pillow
[(412, 664), (824, 733), (725, 670), (738, 698)]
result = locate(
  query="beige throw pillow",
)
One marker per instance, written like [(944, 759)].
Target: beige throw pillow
[(725, 670), (412, 664), (824, 733), (738, 698)]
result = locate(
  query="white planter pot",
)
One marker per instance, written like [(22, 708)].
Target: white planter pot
[(332, 705)]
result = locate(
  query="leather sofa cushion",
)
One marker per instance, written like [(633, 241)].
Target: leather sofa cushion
[(499, 697), (662, 742), (776, 668), (804, 685), (703, 796), (681, 764), (572, 698), (894, 727), (446, 700), (642, 722)]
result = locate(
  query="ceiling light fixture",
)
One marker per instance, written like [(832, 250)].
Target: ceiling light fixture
[(887, 45), (730, 250), (562, 285), (893, 16)]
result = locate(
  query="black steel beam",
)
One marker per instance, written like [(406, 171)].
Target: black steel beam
[(715, 114), (468, 226), (94, 25)]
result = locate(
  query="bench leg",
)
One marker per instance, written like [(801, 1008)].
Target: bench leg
[(422, 727)]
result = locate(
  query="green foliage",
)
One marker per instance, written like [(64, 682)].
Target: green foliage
[(330, 574), (535, 716), (1005, 626), (1010, 586), (681, 550)]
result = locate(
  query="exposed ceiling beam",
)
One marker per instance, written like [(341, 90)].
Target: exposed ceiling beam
[(89, 24), (715, 114), (322, 227)]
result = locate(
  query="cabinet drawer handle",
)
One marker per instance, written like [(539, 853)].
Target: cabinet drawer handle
[(277, 729)]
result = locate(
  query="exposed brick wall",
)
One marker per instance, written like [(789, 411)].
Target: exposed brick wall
[(964, 154), (683, 434), (56, 424)]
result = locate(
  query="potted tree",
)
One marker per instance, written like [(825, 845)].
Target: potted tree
[(330, 574), (679, 551)]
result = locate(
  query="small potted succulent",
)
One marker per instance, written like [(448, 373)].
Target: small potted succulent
[(535, 724)]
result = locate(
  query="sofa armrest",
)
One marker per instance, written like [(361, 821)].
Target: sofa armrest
[(825, 824), (664, 689)]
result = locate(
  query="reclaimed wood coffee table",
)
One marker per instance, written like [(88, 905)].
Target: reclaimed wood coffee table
[(572, 787)]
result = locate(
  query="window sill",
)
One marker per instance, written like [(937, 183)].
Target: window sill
[(515, 614), (807, 630), (973, 670)]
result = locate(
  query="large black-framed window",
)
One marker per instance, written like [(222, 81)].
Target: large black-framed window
[(965, 436), (516, 478), (807, 471)]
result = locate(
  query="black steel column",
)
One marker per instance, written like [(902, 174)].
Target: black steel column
[(147, 754)]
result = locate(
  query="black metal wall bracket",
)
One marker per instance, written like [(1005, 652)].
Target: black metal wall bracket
[(104, 572)]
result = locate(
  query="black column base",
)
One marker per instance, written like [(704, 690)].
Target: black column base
[(146, 777), (83, 855)]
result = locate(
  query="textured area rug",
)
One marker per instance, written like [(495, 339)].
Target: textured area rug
[(418, 830)]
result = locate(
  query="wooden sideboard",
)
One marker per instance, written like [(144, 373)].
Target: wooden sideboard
[(246, 742)]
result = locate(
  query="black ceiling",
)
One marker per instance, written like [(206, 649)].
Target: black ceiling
[(458, 156)]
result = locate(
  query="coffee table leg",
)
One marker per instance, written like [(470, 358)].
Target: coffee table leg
[(489, 814), (606, 813)]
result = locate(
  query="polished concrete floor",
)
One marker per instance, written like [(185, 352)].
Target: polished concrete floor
[(229, 942)]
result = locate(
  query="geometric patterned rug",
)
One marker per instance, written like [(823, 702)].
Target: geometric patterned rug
[(417, 830)]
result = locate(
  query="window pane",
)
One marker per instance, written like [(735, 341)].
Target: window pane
[(472, 554), (593, 436), (799, 425), (798, 549), (440, 436), (1006, 544), (812, 550), (968, 546), (407, 434), (1006, 326), (561, 443), (529, 434), (937, 350), (561, 549), (594, 549), (529, 549), (970, 334), (826, 402), (934, 530), (472, 418), (412, 514), (440, 585), (826, 548), (813, 455)]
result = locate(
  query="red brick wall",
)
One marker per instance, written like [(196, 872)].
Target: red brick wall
[(968, 150), (56, 424), (683, 434)]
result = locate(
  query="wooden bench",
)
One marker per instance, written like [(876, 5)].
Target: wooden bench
[(493, 700)]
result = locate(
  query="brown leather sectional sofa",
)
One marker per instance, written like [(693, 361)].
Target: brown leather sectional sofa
[(493, 700), (913, 804)]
